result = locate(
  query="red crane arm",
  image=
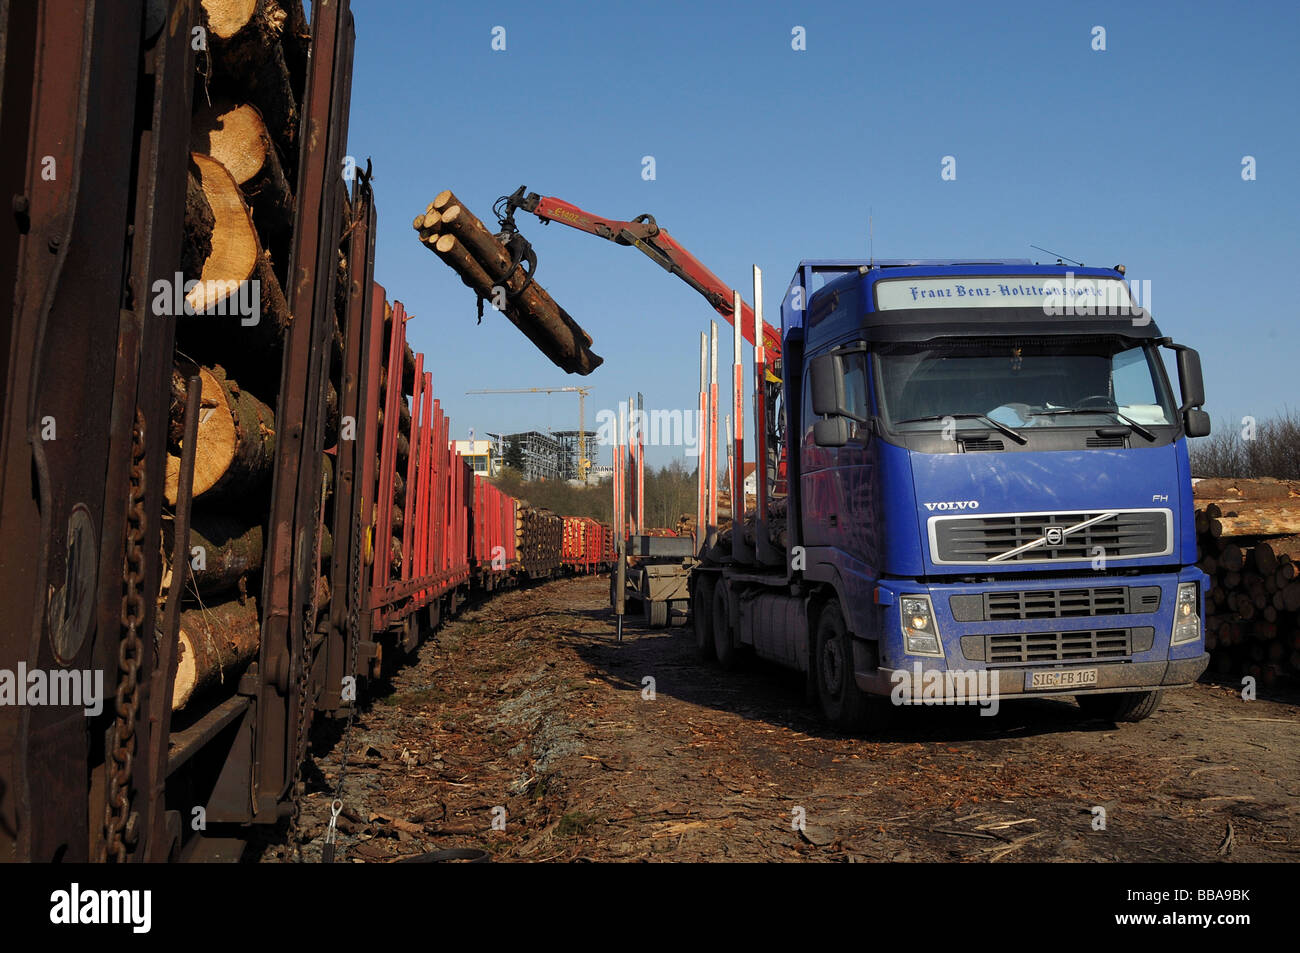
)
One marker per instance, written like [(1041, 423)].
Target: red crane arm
[(644, 233)]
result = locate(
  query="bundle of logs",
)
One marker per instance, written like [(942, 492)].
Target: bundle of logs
[(539, 535), (1248, 540), (236, 246), (488, 268)]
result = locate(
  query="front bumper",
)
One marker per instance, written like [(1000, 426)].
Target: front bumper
[(1111, 677)]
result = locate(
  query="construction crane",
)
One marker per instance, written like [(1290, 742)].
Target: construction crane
[(584, 464)]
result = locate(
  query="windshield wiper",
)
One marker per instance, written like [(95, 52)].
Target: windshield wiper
[(1086, 410), (989, 420)]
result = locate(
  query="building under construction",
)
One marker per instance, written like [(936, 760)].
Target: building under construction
[(540, 456), (569, 452)]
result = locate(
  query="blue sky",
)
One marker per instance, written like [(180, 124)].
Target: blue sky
[(766, 155)]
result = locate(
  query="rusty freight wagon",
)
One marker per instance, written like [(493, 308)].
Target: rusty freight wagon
[(232, 479)]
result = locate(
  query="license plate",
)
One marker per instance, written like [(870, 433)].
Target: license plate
[(1062, 678)]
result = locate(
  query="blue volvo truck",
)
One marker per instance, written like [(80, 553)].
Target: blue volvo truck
[(987, 495)]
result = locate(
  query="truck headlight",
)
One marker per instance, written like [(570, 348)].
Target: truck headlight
[(920, 634), (1187, 622)]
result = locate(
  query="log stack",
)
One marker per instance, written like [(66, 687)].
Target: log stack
[(484, 264), (237, 244), (539, 537), (1248, 542)]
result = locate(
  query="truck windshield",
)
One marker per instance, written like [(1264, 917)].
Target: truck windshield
[(1022, 383)]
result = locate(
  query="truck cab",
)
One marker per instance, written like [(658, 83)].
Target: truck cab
[(989, 485)]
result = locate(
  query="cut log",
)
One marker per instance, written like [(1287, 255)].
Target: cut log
[(223, 549), (408, 371), (1280, 551), (1240, 488), (341, 273), (1291, 596), (296, 41), (236, 136), (196, 246), (1259, 519), (249, 61), (215, 643), (565, 342), (563, 349), (1232, 559), (236, 441), (1264, 559), (236, 260), (428, 225), (331, 421)]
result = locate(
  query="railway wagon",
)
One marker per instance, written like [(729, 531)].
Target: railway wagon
[(493, 553), (231, 476), (586, 547), (233, 481)]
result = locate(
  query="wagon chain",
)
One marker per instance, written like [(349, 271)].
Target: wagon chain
[(303, 684), (121, 824), (354, 632)]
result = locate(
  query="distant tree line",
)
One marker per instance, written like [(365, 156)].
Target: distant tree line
[(669, 493), (1268, 448)]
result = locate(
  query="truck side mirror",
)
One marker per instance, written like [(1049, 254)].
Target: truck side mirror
[(1196, 422), (1189, 378), (827, 386), (831, 432)]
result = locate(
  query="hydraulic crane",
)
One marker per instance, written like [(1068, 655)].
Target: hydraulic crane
[(584, 464), (642, 232)]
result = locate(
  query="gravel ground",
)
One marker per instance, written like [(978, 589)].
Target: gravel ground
[(524, 730)]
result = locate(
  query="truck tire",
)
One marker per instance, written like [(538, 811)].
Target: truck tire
[(702, 617), (724, 646), (844, 705), (656, 613), (1120, 706)]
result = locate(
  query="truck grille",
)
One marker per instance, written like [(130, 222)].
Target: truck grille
[(1057, 603), (1035, 647), (1054, 603), (1050, 537)]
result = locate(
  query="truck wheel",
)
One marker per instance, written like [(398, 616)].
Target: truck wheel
[(723, 647), (656, 613), (843, 703), (702, 617), (1120, 706)]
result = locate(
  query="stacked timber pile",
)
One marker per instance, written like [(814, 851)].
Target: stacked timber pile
[(539, 536), (495, 273), (231, 323), (1248, 536)]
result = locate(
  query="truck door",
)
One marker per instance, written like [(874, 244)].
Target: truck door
[(856, 471)]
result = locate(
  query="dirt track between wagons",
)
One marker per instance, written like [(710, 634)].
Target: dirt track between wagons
[(526, 711)]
